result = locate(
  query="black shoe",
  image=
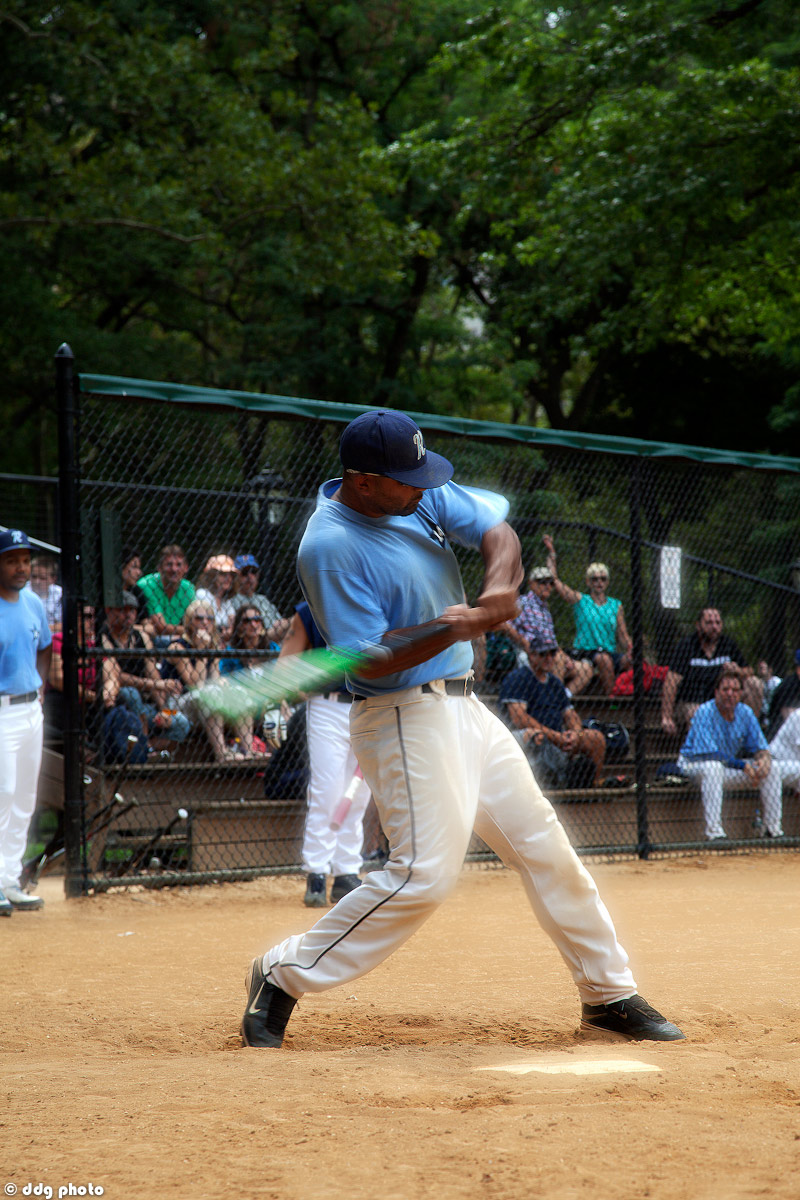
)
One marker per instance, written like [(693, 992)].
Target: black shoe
[(6, 909), (268, 1010), (631, 1018), (315, 892), (342, 884)]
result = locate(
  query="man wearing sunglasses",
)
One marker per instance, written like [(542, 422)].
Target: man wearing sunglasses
[(247, 569), (535, 621)]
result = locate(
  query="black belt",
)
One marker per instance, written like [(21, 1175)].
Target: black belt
[(25, 698), (342, 697), (453, 687)]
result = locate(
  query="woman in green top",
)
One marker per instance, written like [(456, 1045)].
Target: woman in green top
[(601, 634)]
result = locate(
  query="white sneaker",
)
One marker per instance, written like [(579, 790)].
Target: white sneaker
[(22, 900)]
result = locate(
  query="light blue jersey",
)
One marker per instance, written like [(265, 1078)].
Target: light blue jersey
[(710, 736), (365, 575), (23, 632)]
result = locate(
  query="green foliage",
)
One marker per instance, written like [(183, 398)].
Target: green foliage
[(519, 213)]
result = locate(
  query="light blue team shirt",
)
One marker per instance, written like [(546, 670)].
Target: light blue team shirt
[(365, 575), (23, 632), (710, 736), (596, 624)]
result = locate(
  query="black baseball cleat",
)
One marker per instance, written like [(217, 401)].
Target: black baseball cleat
[(315, 892), (631, 1018), (342, 884), (268, 1010)]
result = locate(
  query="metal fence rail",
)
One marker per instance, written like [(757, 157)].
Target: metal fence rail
[(218, 473)]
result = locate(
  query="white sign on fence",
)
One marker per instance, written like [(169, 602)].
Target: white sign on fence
[(670, 576)]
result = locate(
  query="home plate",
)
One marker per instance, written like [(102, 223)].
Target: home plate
[(606, 1066)]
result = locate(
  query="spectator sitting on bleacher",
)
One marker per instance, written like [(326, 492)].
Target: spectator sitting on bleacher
[(217, 587), (785, 699), (694, 669), (248, 634), (275, 625), (131, 573), (535, 618), (726, 748), (133, 680), (167, 594), (562, 753), (200, 633), (44, 573), (601, 635)]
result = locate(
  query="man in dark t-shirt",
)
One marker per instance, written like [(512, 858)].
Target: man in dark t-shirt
[(693, 670), (561, 751)]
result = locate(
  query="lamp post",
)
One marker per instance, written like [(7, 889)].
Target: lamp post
[(268, 503)]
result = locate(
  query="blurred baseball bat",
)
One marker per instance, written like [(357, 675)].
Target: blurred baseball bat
[(343, 807), (244, 693)]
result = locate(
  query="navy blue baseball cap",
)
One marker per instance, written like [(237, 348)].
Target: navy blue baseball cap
[(389, 443), (13, 539)]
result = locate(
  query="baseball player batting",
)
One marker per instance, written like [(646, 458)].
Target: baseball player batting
[(376, 561)]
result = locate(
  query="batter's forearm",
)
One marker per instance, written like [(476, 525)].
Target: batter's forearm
[(502, 560), (406, 648)]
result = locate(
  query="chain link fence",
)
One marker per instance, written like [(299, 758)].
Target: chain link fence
[(222, 474)]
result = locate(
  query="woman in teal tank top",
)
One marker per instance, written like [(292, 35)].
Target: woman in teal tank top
[(601, 634)]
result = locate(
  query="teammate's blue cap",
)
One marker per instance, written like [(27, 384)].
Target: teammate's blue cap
[(389, 443), (13, 539)]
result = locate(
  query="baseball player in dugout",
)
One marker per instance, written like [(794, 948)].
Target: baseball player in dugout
[(25, 649), (376, 564)]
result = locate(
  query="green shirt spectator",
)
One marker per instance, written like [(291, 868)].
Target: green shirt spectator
[(167, 593)]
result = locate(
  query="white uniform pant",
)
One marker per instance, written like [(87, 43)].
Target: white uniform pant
[(332, 765), (715, 779), (438, 766), (20, 760)]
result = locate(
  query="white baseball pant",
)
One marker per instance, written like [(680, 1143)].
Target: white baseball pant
[(715, 779), (20, 759), (439, 765), (332, 765)]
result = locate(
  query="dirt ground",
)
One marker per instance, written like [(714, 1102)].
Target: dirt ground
[(453, 1070)]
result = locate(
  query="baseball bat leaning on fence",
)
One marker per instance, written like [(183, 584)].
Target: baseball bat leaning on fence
[(245, 693), (140, 858), (55, 849)]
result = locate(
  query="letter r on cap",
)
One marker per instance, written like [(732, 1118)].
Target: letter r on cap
[(419, 443)]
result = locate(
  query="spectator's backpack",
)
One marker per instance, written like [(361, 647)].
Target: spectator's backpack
[(617, 737), (119, 726)]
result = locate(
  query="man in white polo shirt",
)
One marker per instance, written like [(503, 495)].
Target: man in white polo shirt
[(25, 651)]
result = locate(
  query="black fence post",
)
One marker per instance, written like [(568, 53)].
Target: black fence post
[(637, 634), (68, 477)]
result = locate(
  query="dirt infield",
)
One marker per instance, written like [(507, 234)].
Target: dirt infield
[(453, 1070)]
